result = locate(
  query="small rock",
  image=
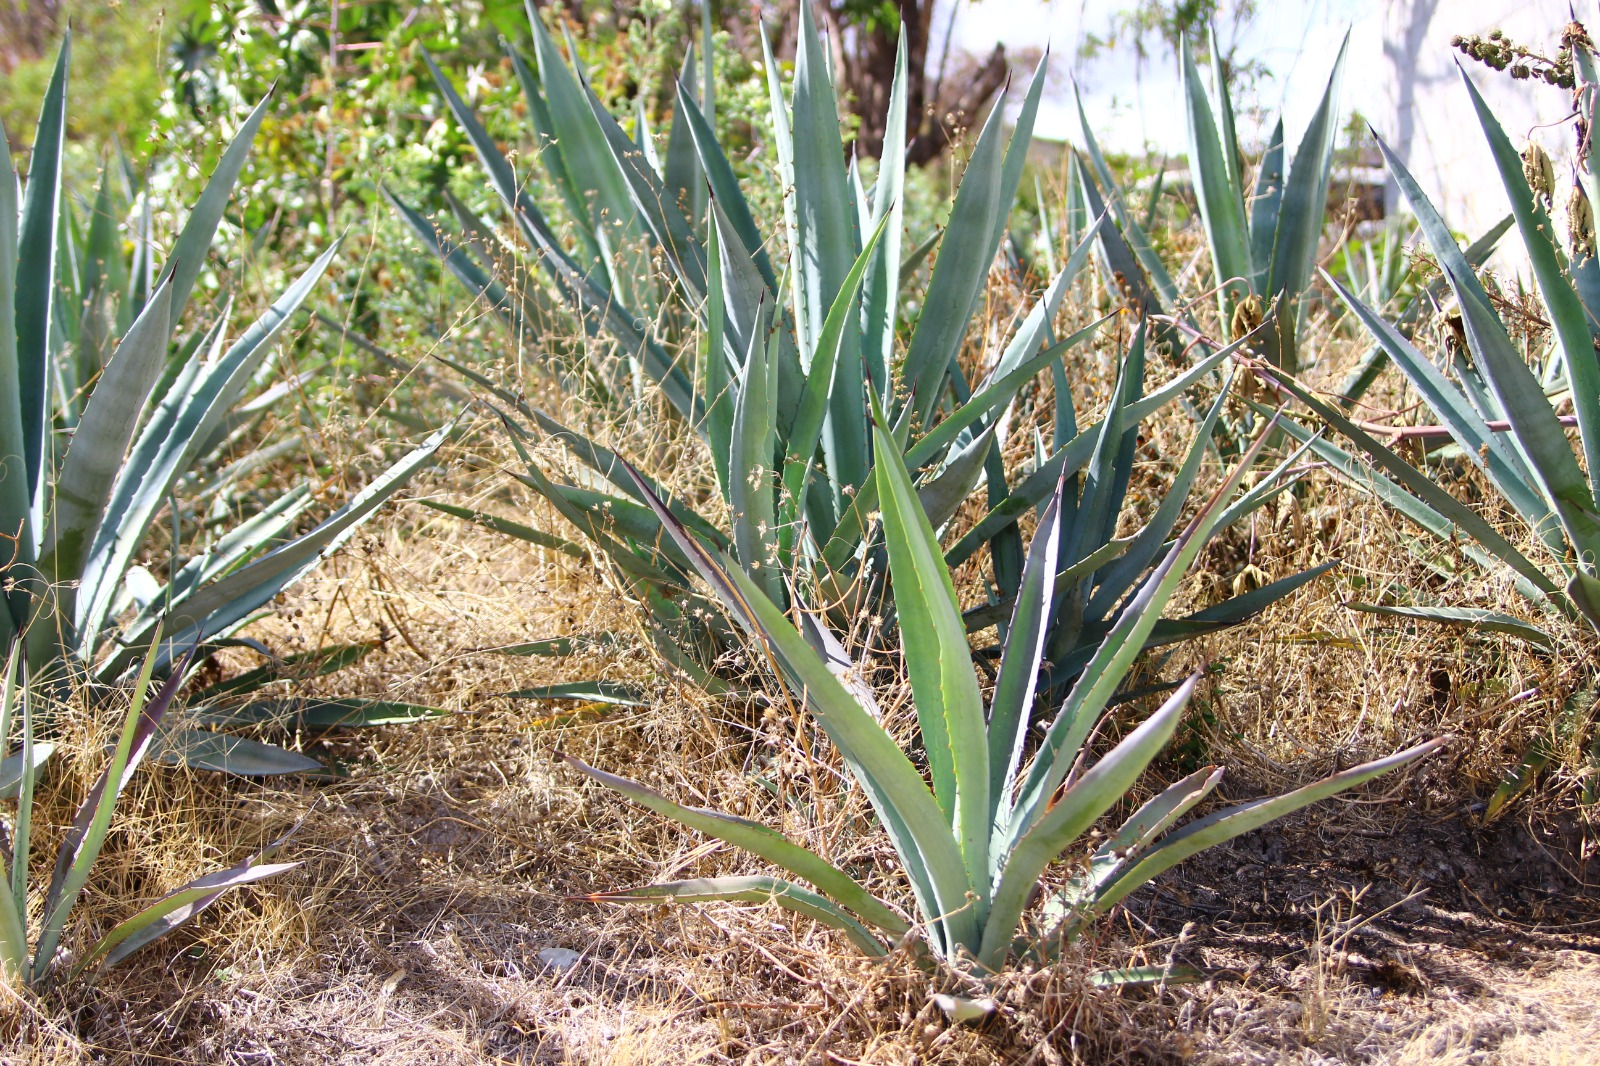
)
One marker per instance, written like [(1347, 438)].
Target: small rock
[(960, 1010), (560, 960)]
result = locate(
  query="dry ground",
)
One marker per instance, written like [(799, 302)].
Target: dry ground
[(1391, 927)]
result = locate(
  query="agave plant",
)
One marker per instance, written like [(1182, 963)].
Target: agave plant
[(815, 339), (1263, 239), (973, 838), (796, 478), (1497, 410), (1379, 279), (1500, 412), (95, 446), (19, 775)]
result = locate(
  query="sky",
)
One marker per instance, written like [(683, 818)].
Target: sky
[(1296, 40), (1133, 108)]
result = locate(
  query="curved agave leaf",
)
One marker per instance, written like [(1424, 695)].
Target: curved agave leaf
[(1490, 451), (1584, 592), (1219, 187), (1224, 825), (1444, 515), (17, 765), (811, 412), (755, 445), (1532, 583), (1539, 436), (550, 155), (93, 460), (760, 841), (652, 203), (1155, 817), (14, 885), (589, 691), (1011, 707), (579, 142), (457, 261), (962, 268), (681, 173), (938, 659), (1567, 318), (1265, 205), (166, 447), (14, 501), (1051, 831), (724, 186), (215, 609), (1466, 617), (598, 303), (224, 753), (508, 528), (1300, 216), (1127, 245), (789, 896), (189, 251), (826, 229), (174, 909), (882, 283), (36, 246), (783, 142), (901, 799)]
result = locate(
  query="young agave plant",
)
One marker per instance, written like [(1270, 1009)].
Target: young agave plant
[(19, 774), (141, 425), (1263, 241), (797, 477), (975, 844), (1499, 412)]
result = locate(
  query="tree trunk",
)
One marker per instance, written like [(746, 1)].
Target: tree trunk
[(864, 59), (27, 28)]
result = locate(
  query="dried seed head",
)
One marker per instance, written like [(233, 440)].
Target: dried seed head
[(1580, 224), (1540, 174), (1246, 315), (1455, 332), (1575, 36)]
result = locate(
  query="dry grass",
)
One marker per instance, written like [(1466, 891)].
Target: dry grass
[(436, 873)]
